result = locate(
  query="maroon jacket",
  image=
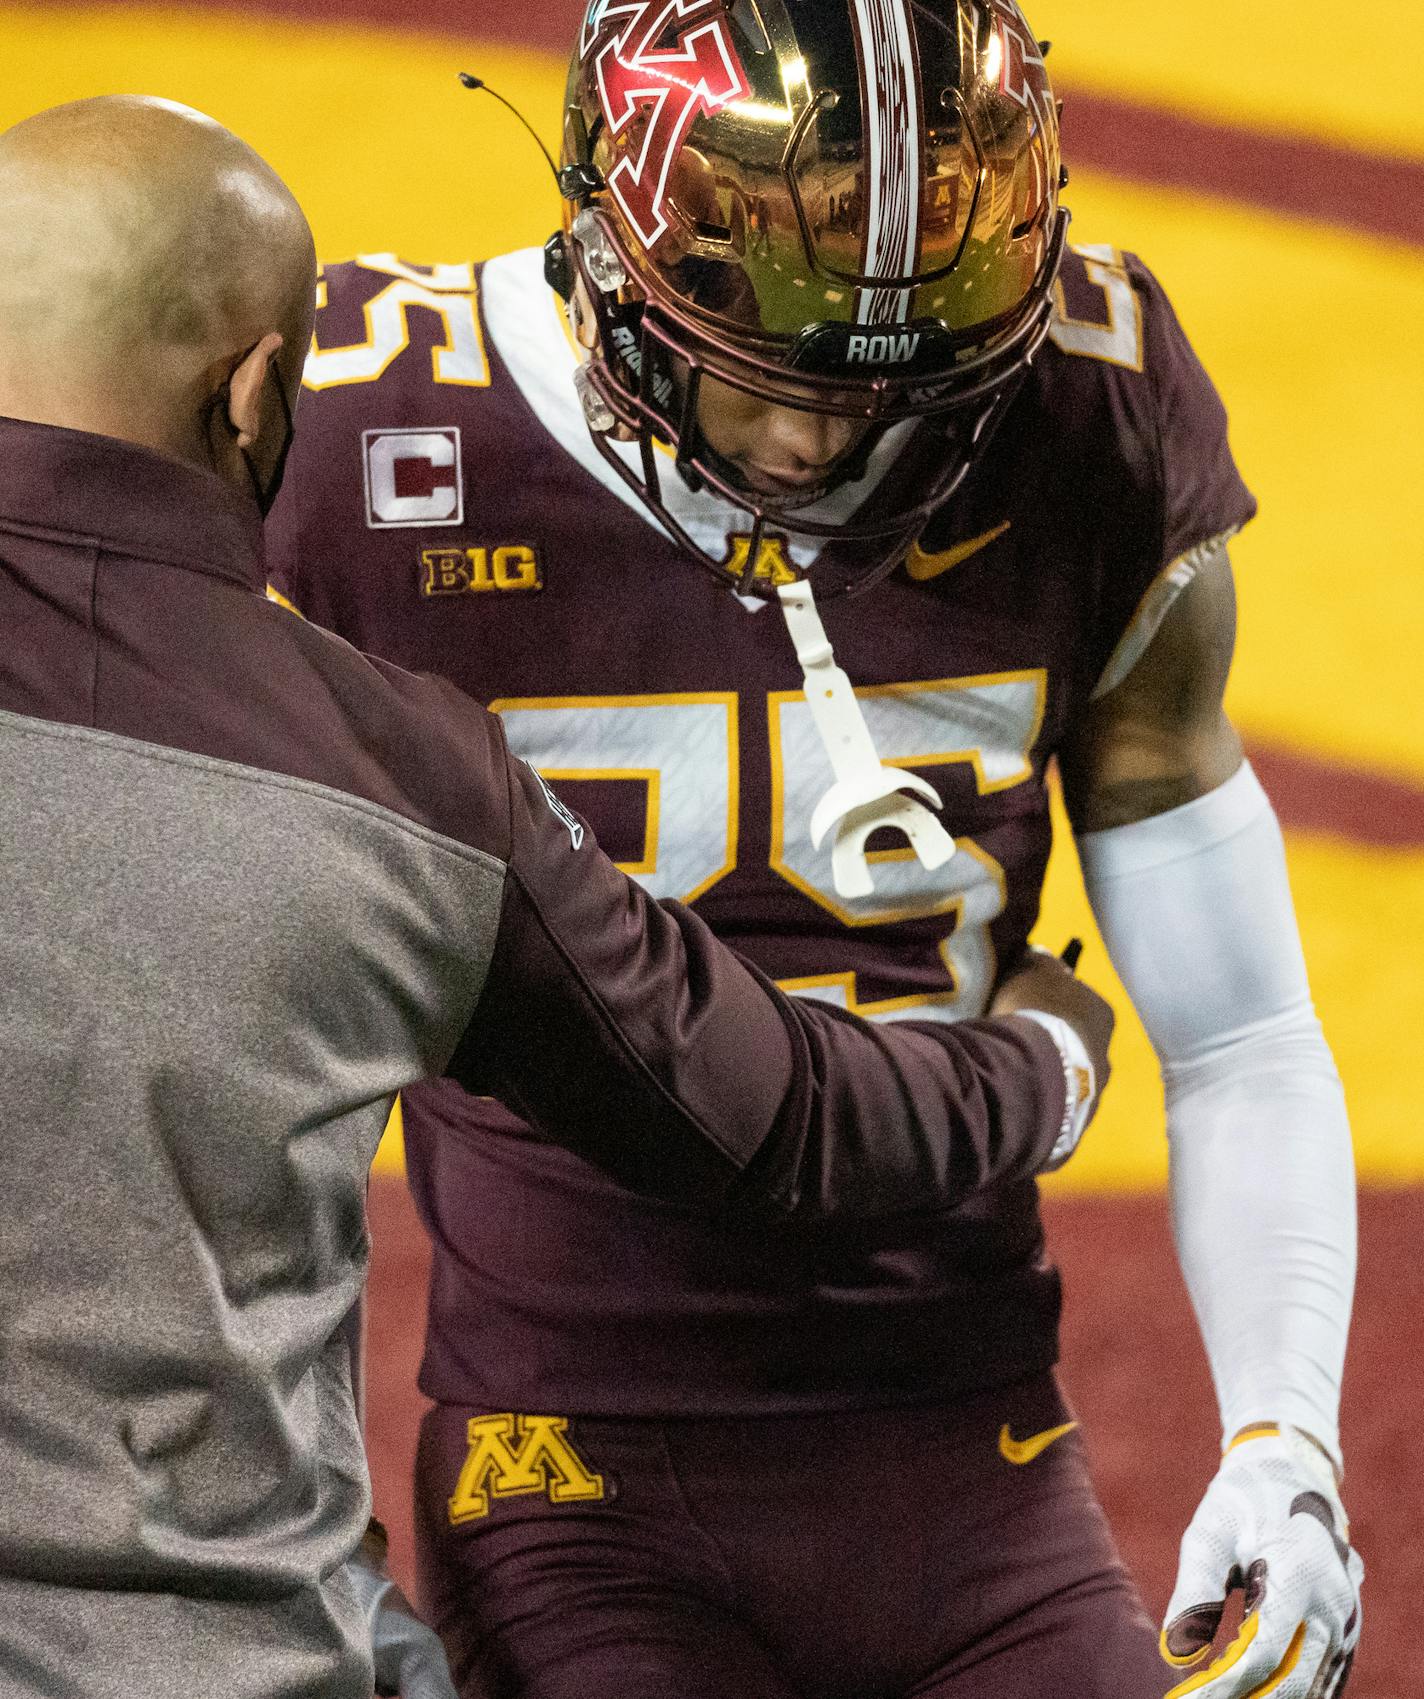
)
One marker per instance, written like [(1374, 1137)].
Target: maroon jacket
[(255, 883)]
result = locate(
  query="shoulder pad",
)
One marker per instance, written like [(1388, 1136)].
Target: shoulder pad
[(372, 309)]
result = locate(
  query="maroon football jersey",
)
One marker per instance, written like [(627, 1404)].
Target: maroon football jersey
[(446, 509)]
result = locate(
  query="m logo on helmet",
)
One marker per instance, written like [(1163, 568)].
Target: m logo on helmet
[(1023, 77), (668, 62), (511, 1454), (1015, 52)]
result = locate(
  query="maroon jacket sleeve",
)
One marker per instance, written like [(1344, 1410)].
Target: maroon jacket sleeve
[(622, 1028)]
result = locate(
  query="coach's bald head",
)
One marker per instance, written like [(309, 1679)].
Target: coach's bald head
[(157, 283)]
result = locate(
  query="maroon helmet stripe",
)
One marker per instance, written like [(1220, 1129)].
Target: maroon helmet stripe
[(890, 99)]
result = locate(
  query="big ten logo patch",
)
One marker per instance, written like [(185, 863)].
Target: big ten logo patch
[(475, 572), (510, 1454), (413, 478), (772, 565)]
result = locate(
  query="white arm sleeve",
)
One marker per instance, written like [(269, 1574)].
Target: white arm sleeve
[(1195, 908)]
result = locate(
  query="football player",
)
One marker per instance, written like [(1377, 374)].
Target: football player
[(824, 500)]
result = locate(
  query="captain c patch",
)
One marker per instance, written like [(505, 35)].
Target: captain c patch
[(413, 478)]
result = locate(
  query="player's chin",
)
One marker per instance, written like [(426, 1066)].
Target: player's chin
[(789, 494)]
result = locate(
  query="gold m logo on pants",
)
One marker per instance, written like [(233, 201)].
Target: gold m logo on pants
[(520, 1454)]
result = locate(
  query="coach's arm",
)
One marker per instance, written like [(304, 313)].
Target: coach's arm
[(622, 1028)]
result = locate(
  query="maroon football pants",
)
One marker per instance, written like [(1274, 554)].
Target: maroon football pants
[(945, 1553)]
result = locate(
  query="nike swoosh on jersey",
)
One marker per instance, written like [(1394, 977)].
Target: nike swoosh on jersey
[(922, 566), (1021, 1451)]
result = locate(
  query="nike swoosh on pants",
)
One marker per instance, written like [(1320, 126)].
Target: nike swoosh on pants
[(1021, 1451)]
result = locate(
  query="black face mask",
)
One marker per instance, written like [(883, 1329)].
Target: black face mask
[(267, 493), (221, 403)]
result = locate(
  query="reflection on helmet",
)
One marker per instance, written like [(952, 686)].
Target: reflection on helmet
[(847, 206)]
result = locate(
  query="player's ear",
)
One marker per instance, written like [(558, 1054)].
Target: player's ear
[(245, 389)]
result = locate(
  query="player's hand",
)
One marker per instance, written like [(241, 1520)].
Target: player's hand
[(1046, 982), (1271, 1524), (410, 1661)]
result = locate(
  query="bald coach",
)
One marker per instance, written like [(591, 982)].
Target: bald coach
[(255, 883)]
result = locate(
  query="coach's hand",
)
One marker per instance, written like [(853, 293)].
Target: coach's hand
[(410, 1661), (1271, 1524), (1045, 982)]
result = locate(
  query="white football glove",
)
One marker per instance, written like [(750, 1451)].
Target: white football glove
[(1273, 1525), (410, 1661)]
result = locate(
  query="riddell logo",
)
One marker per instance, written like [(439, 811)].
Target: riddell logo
[(476, 572), (627, 345), (882, 350)]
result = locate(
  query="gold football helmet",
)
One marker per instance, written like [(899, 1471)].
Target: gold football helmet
[(844, 206)]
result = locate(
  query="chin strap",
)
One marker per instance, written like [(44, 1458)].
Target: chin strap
[(867, 794)]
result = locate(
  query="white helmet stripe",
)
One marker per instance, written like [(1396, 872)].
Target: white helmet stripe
[(885, 41)]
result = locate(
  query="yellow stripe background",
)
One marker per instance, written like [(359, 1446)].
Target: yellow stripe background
[(1311, 333), (1305, 66)]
